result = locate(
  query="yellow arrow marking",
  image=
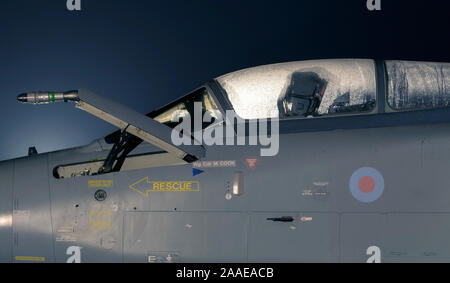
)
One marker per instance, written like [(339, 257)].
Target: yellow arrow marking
[(165, 186)]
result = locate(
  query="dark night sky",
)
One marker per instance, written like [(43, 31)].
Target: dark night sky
[(146, 53)]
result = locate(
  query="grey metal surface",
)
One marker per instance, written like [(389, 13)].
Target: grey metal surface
[(32, 219), (72, 206), (191, 236), (314, 240), (297, 206), (311, 182), (6, 190), (358, 232)]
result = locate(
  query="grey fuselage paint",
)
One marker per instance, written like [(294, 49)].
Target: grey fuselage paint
[(403, 156), (308, 181)]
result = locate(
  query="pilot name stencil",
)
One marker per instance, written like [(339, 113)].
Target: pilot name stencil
[(214, 164)]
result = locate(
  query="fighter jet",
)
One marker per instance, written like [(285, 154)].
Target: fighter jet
[(355, 169)]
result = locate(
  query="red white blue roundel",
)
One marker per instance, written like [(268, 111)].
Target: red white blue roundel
[(367, 184)]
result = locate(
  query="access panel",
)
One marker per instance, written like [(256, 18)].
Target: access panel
[(293, 237), (157, 237), (418, 237), (32, 226)]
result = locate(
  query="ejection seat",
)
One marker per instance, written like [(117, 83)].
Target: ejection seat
[(303, 95)]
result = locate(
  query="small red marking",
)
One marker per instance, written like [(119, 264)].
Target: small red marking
[(322, 91), (251, 162), (366, 184)]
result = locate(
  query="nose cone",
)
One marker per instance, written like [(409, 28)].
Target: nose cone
[(22, 98)]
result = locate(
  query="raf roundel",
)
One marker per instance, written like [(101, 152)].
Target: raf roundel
[(366, 184)]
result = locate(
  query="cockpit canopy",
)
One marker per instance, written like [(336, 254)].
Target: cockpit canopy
[(305, 89), (322, 88), (302, 89), (331, 87), (418, 85)]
